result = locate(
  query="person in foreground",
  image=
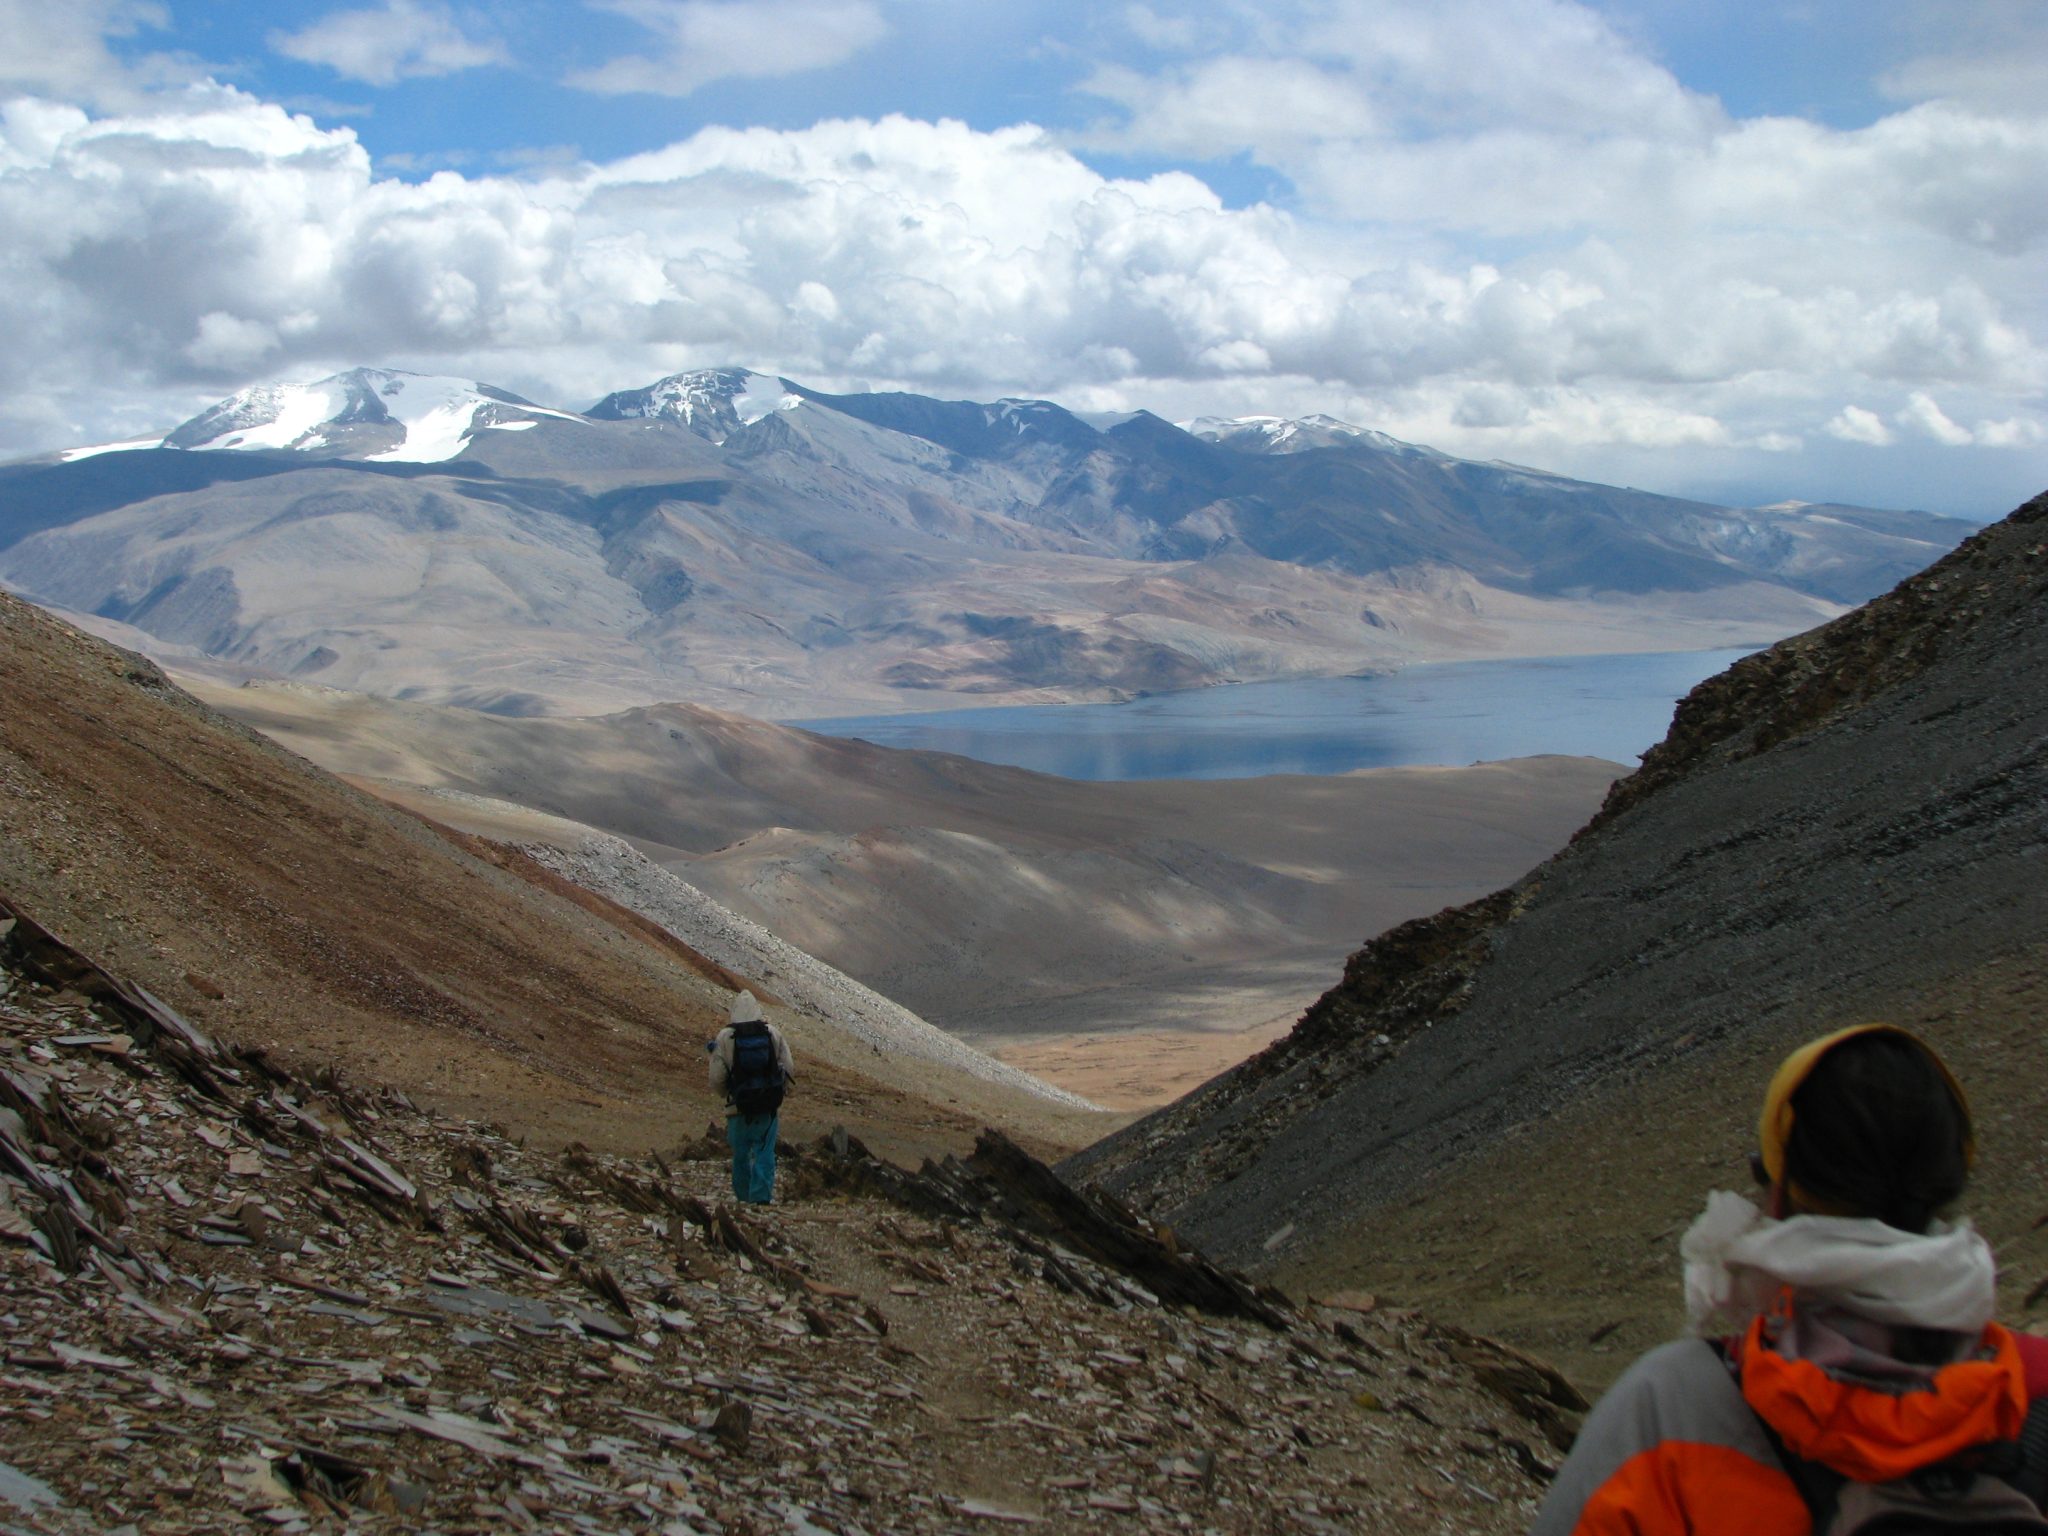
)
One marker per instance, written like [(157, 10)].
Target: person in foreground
[(1844, 1362), (750, 1066)]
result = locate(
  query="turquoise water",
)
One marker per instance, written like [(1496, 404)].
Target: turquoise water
[(1450, 713)]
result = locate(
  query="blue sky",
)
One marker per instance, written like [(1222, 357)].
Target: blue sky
[(1794, 254), (987, 65)]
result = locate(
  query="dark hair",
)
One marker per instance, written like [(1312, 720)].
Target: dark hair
[(1877, 1131)]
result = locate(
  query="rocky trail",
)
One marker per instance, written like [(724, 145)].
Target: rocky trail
[(236, 1297)]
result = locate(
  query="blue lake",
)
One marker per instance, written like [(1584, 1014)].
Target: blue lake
[(1451, 713)]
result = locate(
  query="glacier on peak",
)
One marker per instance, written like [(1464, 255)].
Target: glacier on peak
[(440, 415), (431, 417), (94, 450), (278, 415)]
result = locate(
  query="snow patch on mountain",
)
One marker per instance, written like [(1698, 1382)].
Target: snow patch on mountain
[(440, 415), (1021, 414), (270, 416), (1280, 434), (712, 402), (73, 455), (763, 397)]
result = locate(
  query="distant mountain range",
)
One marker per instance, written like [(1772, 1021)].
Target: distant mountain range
[(746, 542)]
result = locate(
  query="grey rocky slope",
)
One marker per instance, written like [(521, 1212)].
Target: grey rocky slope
[(749, 543), (1849, 825)]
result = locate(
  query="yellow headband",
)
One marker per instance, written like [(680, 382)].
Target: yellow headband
[(1774, 1130)]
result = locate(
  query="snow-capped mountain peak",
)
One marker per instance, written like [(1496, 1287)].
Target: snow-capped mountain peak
[(379, 414), (712, 402), (1280, 434)]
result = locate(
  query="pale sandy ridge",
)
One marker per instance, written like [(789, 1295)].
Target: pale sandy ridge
[(870, 1024), (613, 870)]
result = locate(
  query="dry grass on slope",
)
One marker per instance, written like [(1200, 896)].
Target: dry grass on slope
[(280, 908)]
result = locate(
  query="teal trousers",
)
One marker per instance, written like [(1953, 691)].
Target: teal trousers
[(752, 1139)]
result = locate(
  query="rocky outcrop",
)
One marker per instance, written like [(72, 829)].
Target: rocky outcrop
[(1848, 819)]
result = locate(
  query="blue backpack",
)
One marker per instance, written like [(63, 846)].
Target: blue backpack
[(755, 1083)]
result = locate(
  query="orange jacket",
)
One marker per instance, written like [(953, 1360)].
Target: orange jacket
[(1676, 1448)]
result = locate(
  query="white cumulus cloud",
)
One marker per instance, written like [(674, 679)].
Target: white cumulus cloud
[(220, 237), (1923, 415), (1854, 424), (1511, 234), (699, 41), (1217, 107), (2013, 432), (1991, 52), (401, 39), (61, 50)]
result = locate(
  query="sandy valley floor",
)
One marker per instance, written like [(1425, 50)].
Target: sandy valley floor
[(1148, 1045)]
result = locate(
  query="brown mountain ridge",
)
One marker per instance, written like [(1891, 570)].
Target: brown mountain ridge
[(284, 909)]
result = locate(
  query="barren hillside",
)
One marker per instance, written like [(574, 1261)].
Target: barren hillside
[(1513, 1107), (1024, 912), (286, 910)]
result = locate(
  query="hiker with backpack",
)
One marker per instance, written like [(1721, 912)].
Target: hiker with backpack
[(1845, 1374), (750, 1066)]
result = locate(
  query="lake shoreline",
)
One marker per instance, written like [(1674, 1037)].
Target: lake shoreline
[(1430, 714)]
